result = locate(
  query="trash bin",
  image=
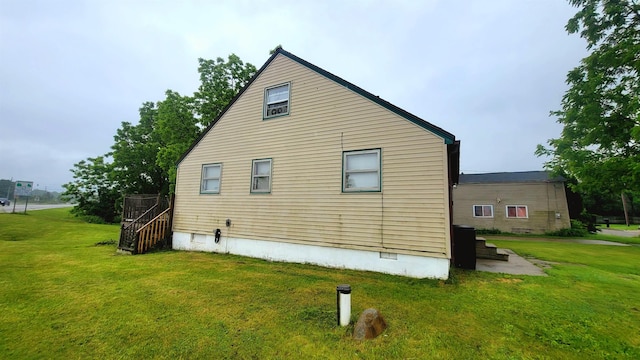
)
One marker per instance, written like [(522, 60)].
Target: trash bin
[(464, 247)]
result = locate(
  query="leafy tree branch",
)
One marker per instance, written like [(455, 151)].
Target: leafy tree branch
[(600, 142)]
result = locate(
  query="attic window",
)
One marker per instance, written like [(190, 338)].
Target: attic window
[(276, 101)]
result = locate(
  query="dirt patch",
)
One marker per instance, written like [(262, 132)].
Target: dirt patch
[(541, 263), (510, 281)]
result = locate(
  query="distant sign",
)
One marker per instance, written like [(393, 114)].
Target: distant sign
[(23, 188)]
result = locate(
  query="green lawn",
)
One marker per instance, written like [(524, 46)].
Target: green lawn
[(596, 236), (620, 239), (621, 226), (63, 296)]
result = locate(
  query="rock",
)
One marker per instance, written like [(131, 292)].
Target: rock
[(369, 325)]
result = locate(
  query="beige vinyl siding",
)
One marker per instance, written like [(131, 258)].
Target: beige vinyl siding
[(543, 201), (306, 204)]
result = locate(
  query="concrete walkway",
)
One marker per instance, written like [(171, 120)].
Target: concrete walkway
[(517, 265)]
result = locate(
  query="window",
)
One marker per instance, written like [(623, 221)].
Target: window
[(517, 211), (276, 101), (361, 170), (211, 179), (483, 211), (261, 176)]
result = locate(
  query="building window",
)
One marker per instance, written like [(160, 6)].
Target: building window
[(361, 170), (261, 176), (276, 101), (211, 179), (517, 211), (483, 211)]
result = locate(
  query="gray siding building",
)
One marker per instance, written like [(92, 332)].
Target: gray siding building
[(516, 202)]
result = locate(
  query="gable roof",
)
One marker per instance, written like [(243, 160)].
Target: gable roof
[(446, 136), (509, 177)]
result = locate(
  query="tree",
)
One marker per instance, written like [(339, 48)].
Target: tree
[(181, 119), (93, 190), (273, 51), (220, 81), (600, 142), (135, 154), (177, 130), (145, 154), (6, 188)]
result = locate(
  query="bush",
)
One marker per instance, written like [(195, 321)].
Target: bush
[(589, 221), (493, 231), (92, 219), (577, 229)]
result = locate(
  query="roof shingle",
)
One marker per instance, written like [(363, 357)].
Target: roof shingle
[(509, 177)]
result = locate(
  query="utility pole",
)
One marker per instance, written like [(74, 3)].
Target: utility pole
[(624, 206)]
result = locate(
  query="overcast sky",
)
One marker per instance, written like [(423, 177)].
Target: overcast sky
[(488, 71)]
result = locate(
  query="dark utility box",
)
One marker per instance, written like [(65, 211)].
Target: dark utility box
[(464, 247)]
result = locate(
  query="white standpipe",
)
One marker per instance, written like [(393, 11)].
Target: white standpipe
[(343, 301)]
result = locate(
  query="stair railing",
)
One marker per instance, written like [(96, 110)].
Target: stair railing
[(153, 232), (128, 232)]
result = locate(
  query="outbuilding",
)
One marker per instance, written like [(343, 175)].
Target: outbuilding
[(514, 202)]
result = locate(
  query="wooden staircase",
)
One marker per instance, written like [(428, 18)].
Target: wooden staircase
[(153, 232), (148, 230), (486, 250)]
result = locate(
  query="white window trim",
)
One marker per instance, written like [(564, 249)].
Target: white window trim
[(202, 179), (345, 172), (506, 210), (473, 209), (253, 175), (266, 103)]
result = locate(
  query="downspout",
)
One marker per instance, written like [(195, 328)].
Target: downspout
[(453, 174), (382, 217)]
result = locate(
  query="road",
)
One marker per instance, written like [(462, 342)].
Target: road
[(30, 207)]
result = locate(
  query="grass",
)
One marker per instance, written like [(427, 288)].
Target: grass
[(597, 236), (65, 293), (620, 239), (620, 226)]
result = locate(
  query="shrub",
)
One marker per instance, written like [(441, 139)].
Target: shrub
[(589, 221), (577, 229), (92, 219), (493, 231)]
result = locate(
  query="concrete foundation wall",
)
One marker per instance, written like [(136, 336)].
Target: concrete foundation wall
[(389, 263)]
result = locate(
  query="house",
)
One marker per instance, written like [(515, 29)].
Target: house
[(303, 166), (516, 202)]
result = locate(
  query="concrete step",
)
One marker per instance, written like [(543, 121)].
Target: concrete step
[(480, 242), (499, 254), (488, 248), (484, 245), (490, 251)]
